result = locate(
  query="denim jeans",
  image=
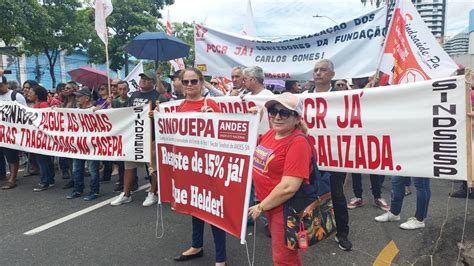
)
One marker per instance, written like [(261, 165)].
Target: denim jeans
[(252, 200), (423, 194), (64, 164), (219, 239), (46, 167), (78, 175), (3, 168), (375, 182)]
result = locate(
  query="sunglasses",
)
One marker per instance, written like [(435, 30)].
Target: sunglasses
[(284, 113), (193, 82), (214, 83), (340, 85)]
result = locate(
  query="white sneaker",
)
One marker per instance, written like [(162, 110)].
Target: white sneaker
[(412, 224), (121, 199), (387, 217), (150, 199)]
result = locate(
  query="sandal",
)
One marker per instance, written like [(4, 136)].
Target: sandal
[(8, 185)]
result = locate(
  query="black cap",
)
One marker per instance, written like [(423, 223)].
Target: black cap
[(175, 74), (83, 92)]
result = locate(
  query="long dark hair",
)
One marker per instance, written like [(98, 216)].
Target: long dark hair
[(41, 92)]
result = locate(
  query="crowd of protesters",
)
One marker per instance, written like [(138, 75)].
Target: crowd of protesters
[(190, 86)]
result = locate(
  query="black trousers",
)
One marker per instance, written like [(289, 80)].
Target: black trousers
[(340, 204), (375, 182)]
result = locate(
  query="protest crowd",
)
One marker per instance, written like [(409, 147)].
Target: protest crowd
[(283, 163), (190, 85)]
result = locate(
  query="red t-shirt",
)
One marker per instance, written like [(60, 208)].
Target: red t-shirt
[(41, 105), (195, 106), (274, 159)]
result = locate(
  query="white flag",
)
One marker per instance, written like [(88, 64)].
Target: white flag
[(103, 8), (249, 26), (411, 51), (133, 78)]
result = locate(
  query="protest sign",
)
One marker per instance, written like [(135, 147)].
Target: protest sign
[(133, 78), (411, 51), (112, 135), (218, 51), (204, 165), (414, 129)]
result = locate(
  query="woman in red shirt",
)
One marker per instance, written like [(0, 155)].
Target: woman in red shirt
[(192, 80), (38, 95), (281, 164)]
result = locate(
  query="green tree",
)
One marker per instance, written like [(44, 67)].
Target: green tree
[(15, 19), (128, 19), (57, 26)]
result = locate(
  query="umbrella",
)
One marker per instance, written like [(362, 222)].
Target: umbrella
[(157, 46), (274, 82), (88, 76)]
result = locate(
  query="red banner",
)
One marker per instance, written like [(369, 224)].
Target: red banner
[(203, 162)]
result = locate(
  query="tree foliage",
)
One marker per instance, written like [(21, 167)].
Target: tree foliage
[(129, 18)]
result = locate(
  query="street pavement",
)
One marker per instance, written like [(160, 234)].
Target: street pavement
[(127, 234)]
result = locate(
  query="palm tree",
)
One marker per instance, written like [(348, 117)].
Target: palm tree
[(377, 2)]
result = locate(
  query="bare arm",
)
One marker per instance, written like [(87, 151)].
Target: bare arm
[(281, 193)]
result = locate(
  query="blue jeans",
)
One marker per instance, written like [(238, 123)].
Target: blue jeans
[(78, 175), (423, 195), (375, 182), (262, 217), (46, 167), (64, 164), (219, 238)]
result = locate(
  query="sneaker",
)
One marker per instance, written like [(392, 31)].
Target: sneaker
[(387, 217), (407, 191), (355, 203), (121, 199), (42, 187), (91, 196), (412, 224), (69, 185), (344, 243), (151, 199), (382, 204), (73, 195)]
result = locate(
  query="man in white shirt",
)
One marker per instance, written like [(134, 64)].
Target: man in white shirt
[(253, 81), (12, 157), (237, 82)]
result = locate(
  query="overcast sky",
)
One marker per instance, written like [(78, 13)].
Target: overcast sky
[(286, 18)]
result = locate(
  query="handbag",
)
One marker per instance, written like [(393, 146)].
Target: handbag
[(309, 214)]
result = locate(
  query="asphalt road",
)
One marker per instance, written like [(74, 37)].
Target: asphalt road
[(127, 235)]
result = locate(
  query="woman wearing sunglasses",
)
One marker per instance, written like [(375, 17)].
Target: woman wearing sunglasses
[(281, 164), (192, 80)]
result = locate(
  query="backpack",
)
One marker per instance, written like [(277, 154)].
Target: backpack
[(13, 95)]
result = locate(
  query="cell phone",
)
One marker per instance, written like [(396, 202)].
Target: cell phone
[(7, 71)]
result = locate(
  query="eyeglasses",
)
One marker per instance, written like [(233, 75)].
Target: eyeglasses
[(193, 82), (101, 89), (284, 113)]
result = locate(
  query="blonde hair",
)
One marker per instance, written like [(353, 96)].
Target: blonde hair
[(301, 125)]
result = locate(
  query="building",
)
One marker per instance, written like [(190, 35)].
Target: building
[(433, 12), (458, 44)]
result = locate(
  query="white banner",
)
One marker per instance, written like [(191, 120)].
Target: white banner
[(411, 51), (121, 134), (357, 42), (415, 129)]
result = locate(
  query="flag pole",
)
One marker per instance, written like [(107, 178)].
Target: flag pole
[(468, 78), (377, 70), (107, 59)]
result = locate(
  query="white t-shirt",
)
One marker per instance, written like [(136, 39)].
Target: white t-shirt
[(8, 97), (264, 92)]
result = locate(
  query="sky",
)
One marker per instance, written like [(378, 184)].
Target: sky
[(288, 18)]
